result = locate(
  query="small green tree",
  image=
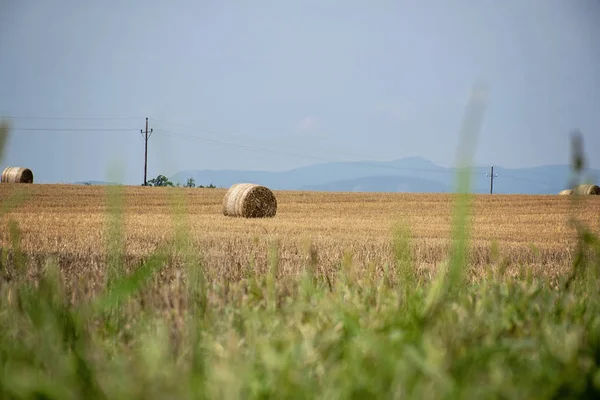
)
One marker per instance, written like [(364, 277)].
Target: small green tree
[(160, 180), (190, 183)]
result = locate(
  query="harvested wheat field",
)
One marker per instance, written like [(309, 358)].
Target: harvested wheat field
[(70, 222)]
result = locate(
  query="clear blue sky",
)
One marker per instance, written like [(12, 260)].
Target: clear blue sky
[(337, 80)]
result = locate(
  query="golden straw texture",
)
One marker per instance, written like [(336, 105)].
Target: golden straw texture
[(17, 175), (249, 200), (587, 190)]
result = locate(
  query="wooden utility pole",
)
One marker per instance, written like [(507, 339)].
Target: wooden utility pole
[(492, 176), (146, 150)]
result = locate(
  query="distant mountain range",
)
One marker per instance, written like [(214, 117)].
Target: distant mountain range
[(413, 174)]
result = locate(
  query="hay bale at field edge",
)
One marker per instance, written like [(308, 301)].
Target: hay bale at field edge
[(566, 192), (587, 190), (249, 200), (17, 175)]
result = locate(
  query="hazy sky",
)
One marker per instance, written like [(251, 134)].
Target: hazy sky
[(241, 84)]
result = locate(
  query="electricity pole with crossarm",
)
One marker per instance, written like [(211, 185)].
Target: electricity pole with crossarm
[(491, 175), (146, 150)]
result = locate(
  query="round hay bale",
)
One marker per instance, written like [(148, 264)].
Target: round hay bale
[(566, 192), (587, 190), (248, 200), (17, 175)]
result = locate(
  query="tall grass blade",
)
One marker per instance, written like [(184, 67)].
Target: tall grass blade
[(584, 268), (19, 195), (460, 228), (115, 238), (184, 245), (406, 269), (15, 240), (4, 134), (16, 198), (451, 282), (123, 288)]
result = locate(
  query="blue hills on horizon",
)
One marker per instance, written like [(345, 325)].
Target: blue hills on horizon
[(412, 174), (408, 175)]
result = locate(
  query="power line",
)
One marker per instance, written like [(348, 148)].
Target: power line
[(331, 151), (229, 144), (526, 179), (216, 141), (302, 156), (75, 129), (221, 133), (74, 118), (254, 148), (246, 147), (259, 149)]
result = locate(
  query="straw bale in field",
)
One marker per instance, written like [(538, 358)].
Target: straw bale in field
[(17, 175), (587, 190), (249, 200), (566, 192)]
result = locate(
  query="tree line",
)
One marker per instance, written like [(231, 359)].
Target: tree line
[(162, 180)]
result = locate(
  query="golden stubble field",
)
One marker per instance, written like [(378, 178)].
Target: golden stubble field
[(69, 221)]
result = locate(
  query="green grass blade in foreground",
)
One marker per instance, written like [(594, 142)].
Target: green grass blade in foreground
[(584, 268), (124, 287), (18, 195), (15, 240), (4, 134), (273, 262), (405, 267), (16, 198), (184, 245), (451, 282), (115, 238), (19, 258), (461, 227), (47, 343), (119, 286)]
